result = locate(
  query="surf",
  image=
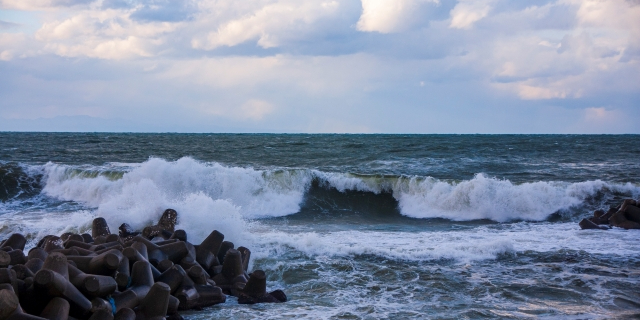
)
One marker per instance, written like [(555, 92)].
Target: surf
[(277, 192)]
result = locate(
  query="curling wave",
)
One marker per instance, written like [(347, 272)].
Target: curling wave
[(141, 190)]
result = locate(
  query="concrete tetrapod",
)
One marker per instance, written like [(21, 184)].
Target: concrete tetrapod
[(84, 284), (255, 291), (174, 251), (165, 227), (232, 272), (155, 303), (90, 284), (141, 282), (56, 309), (123, 274), (37, 253), (246, 255), (164, 265), (207, 251), (101, 315), (179, 235), (99, 228), (17, 257), (16, 242), (5, 259), (125, 314), (173, 277), (10, 307), (187, 294), (134, 256), (103, 264), (53, 280), (34, 264), (224, 247), (22, 271), (198, 275), (8, 276), (52, 243)]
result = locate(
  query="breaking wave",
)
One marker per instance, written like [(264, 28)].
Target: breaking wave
[(140, 191)]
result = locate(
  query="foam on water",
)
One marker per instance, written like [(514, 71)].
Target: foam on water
[(35, 225), (140, 191), (499, 200), (258, 193), (464, 246)]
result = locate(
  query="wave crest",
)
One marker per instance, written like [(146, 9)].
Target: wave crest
[(145, 189)]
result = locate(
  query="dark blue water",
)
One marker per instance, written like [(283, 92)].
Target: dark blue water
[(360, 226)]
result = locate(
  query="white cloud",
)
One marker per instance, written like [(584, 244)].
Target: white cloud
[(409, 56), (569, 64), (332, 76), (601, 119), (105, 34), (599, 115), (528, 92), (389, 16), (5, 55), (256, 109), (269, 23), (468, 12), (33, 4)]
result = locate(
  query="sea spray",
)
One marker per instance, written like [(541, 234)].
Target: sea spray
[(142, 190)]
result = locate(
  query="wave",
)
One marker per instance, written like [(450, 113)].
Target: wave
[(487, 242), (137, 193), (18, 181)]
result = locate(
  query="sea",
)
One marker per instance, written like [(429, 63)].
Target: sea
[(359, 226)]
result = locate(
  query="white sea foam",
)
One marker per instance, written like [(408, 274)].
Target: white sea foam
[(208, 196), (141, 193), (466, 245), (499, 200), (35, 225)]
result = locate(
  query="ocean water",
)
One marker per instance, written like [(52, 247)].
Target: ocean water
[(359, 226)]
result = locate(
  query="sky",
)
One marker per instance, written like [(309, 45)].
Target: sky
[(342, 66)]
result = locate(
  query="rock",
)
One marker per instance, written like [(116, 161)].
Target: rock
[(588, 224), (155, 303), (619, 220), (165, 227), (53, 279), (125, 314), (125, 230), (632, 213), (105, 276), (99, 228), (5, 259), (255, 291), (173, 277), (10, 308), (141, 282), (56, 309), (105, 263), (174, 251), (16, 242), (92, 285), (207, 251)]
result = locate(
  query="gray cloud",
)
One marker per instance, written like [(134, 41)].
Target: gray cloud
[(164, 10), (291, 66)]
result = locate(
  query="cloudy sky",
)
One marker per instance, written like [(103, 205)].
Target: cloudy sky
[(390, 66)]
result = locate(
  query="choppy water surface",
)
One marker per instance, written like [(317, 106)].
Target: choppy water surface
[(360, 226)]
